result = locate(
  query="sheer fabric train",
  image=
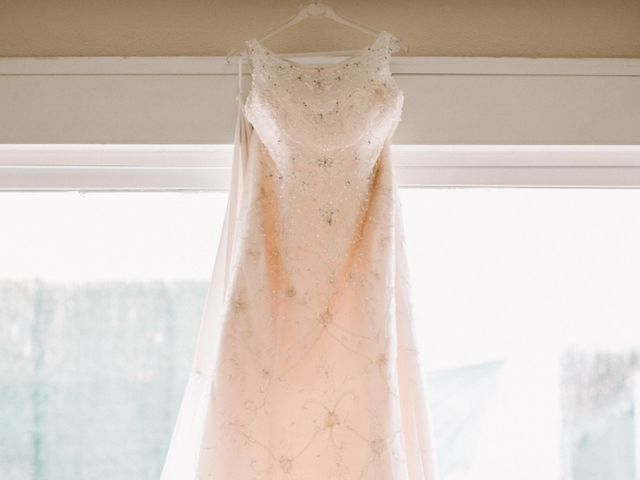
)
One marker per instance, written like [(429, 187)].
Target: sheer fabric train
[(306, 365)]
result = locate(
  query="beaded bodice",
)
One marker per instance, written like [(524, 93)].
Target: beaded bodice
[(325, 108), (323, 128)]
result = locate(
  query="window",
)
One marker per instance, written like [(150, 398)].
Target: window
[(524, 298), (527, 315), (100, 299), (525, 303)]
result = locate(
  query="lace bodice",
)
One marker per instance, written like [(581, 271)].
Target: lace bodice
[(323, 128), (324, 107)]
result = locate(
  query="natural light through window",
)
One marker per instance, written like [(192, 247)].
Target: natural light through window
[(526, 313)]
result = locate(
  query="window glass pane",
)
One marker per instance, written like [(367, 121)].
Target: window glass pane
[(526, 314), (528, 319), (100, 299)]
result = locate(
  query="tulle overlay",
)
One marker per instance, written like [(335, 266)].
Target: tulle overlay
[(306, 364)]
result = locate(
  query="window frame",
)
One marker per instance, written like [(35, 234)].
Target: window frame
[(123, 167), (206, 166)]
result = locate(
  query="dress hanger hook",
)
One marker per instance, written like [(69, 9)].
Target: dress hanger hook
[(317, 9)]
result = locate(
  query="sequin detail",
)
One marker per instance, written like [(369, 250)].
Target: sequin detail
[(329, 107)]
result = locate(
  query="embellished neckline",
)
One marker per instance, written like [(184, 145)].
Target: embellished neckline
[(306, 68)]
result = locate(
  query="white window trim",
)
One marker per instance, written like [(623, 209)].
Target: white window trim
[(208, 167), (401, 65), (203, 166)]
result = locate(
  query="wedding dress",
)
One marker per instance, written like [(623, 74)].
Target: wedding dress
[(306, 366)]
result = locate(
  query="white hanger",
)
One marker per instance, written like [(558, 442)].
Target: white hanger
[(318, 10)]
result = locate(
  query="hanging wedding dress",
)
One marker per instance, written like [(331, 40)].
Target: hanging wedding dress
[(306, 366)]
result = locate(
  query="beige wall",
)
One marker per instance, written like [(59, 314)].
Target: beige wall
[(522, 28)]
